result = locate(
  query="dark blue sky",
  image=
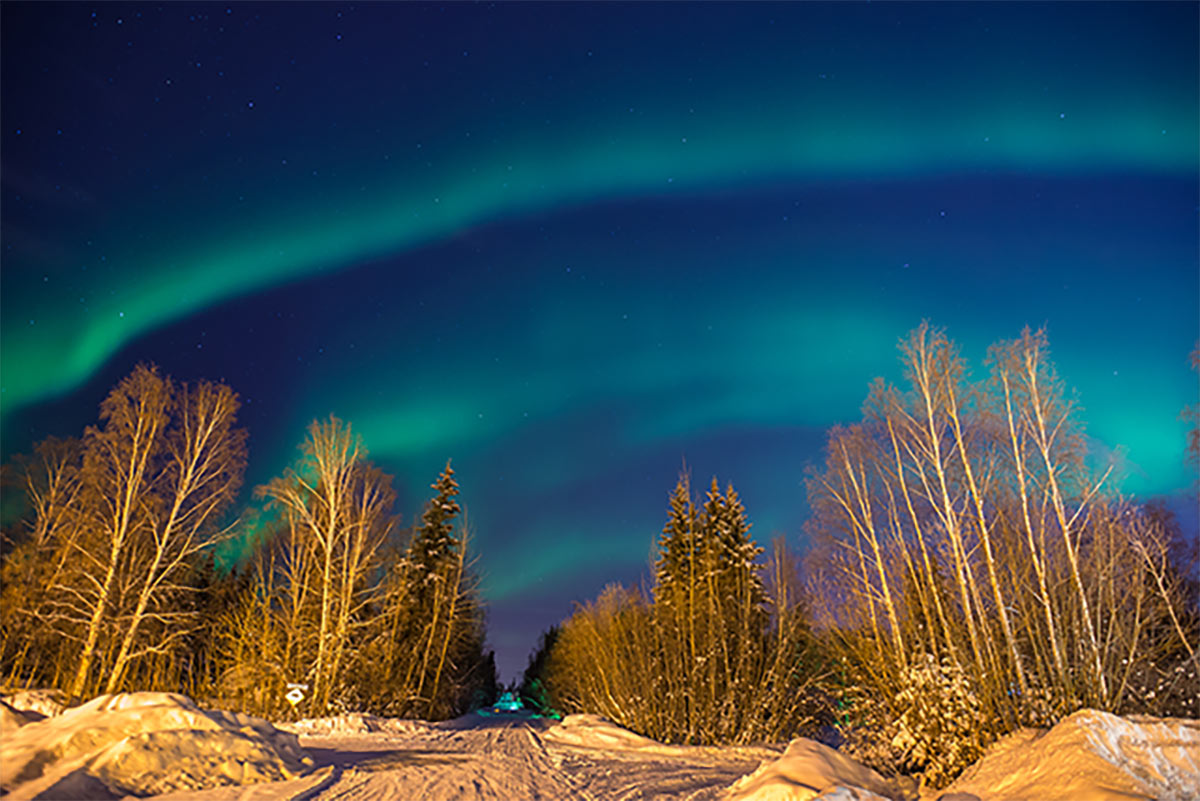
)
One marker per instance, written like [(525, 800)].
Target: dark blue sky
[(573, 245)]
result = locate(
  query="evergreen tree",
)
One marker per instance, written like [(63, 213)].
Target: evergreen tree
[(712, 660), (429, 567), (676, 569), (433, 544), (532, 689), (730, 550), (445, 618)]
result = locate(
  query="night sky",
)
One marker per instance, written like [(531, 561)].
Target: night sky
[(573, 245)]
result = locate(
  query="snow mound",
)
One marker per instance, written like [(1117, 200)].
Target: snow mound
[(1090, 756), (352, 723), (143, 744), (47, 703), (810, 770), (593, 731)]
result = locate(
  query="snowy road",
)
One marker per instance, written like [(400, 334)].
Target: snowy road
[(514, 758), (503, 758)]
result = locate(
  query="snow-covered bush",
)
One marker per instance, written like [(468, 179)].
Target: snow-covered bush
[(931, 724), (940, 730), (1168, 688)]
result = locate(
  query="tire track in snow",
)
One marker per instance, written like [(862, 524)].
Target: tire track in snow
[(498, 759)]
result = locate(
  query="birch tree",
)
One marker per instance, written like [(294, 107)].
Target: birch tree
[(202, 461), (120, 463), (35, 553), (337, 512), (117, 525), (966, 540)]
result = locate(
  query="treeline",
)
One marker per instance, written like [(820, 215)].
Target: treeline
[(110, 581), (970, 573)]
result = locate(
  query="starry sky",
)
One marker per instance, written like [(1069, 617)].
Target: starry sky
[(572, 246)]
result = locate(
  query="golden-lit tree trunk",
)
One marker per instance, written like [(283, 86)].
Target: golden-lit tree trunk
[(866, 523), (338, 512), (985, 540), (454, 597), (204, 471), (52, 485), (1043, 437), (925, 360), (1035, 553), (370, 523), (117, 472)]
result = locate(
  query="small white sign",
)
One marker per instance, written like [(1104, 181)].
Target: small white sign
[(296, 694)]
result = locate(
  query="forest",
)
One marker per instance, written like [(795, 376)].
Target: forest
[(971, 568)]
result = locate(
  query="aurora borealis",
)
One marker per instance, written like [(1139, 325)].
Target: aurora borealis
[(573, 245)]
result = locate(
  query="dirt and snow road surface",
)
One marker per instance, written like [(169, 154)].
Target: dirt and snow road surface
[(508, 757)]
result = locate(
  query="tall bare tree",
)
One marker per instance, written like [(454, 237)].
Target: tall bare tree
[(35, 556), (117, 525), (968, 543), (202, 463), (120, 465), (337, 509)]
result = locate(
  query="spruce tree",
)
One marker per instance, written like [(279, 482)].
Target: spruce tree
[(444, 618), (434, 543), (676, 567), (732, 552)]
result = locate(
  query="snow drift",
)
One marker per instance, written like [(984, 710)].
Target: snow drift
[(1089, 756), (594, 731), (142, 744), (352, 723), (809, 770)]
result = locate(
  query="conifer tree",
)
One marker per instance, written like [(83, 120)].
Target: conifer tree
[(678, 547), (434, 544), (532, 689), (677, 572), (733, 553), (432, 633)]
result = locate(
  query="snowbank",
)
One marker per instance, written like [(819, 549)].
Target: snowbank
[(593, 731), (810, 770), (352, 723), (1089, 756), (143, 744)]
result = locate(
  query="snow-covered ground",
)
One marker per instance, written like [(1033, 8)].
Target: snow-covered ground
[(1091, 755), (139, 744), (162, 746)]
